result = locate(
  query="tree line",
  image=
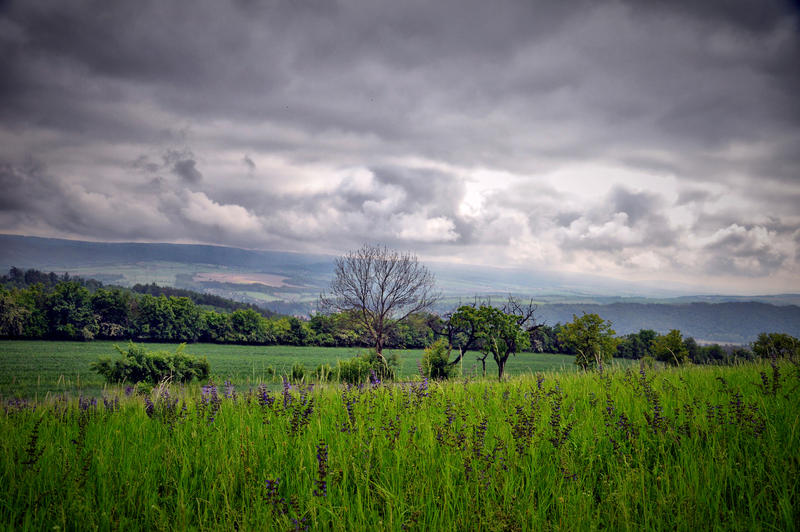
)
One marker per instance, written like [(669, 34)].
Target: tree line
[(36, 305)]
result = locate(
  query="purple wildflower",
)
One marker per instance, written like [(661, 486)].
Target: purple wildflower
[(229, 390), (149, 407), (322, 470)]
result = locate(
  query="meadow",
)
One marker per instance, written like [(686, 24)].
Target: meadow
[(34, 369), (712, 448)]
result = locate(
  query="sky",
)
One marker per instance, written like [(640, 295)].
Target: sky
[(645, 141)]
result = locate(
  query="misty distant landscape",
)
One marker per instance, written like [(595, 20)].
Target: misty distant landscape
[(290, 283)]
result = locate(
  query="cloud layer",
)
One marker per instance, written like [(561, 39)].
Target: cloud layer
[(638, 140)]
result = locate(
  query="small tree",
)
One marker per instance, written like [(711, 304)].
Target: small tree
[(591, 338), (670, 348), (497, 332), (380, 287), (776, 345)]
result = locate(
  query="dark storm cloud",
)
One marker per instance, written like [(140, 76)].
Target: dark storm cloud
[(401, 72), (187, 170), (434, 124), (24, 185)]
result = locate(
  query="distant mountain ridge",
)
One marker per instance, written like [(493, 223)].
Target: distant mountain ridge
[(728, 322), (29, 251)]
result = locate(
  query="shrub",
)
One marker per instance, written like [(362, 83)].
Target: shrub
[(353, 371), (436, 361), (141, 365), (359, 368)]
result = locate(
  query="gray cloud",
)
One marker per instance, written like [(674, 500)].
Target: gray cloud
[(693, 195), (187, 170), (622, 220), (182, 163), (744, 251), (656, 138)]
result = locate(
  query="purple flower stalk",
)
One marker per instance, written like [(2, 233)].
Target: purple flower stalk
[(322, 470), (229, 390)]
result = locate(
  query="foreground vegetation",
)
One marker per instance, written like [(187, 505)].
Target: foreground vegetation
[(682, 448)]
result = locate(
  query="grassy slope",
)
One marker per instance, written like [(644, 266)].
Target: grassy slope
[(34, 368), (695, 448)]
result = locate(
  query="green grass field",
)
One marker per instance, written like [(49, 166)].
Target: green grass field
[(697, 448), (36, 368)]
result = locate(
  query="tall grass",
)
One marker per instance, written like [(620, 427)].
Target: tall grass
[(708, 448)]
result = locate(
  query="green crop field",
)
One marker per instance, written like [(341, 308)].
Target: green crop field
[(36, 368), (708, 448)]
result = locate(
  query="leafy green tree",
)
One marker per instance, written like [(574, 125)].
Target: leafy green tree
[(501, 336), (414, 333), (13, 315), (714, 354), (35, 300), (249, 327), (69, 312), (501, 333), (112, 305), (185, 319), (740, 354), (637, 345), (216, 327), (670, 348), (112, 308), (776, 345), (591, 338), (299, 332), (153, 318), (544, 339), (323, 328)]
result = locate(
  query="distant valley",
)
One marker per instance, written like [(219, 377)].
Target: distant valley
[(291, 283)]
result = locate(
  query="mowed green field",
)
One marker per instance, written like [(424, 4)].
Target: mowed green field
[(38, 368)]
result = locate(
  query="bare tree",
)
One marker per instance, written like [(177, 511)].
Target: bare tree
[(381, 287)]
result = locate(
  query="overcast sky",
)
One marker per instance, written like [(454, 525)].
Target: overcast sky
[(638, 140)]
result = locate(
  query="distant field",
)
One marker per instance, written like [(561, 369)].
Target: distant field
[(267, 279), (36, 368)]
